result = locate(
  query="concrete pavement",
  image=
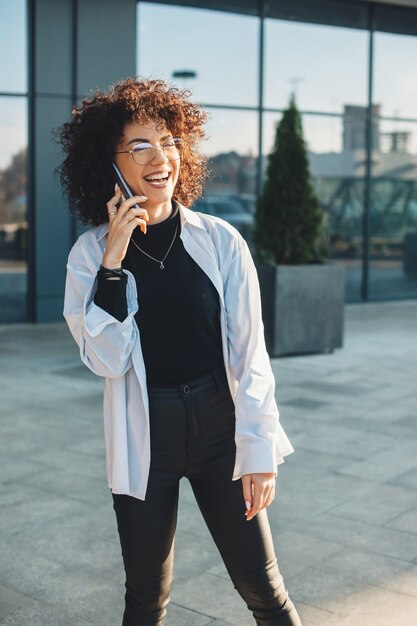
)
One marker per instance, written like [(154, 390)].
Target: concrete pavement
[(344, 519)]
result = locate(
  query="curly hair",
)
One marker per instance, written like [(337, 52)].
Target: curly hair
[(90, 138)]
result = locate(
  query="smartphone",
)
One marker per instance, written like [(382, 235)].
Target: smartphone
[(124, 187)]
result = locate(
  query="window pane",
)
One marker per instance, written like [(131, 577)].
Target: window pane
[(13, 216), (393, 271), (13, 42), (395, 75), (328, 66), (393, 246), (337, 175), (232, 150), (220, 49)]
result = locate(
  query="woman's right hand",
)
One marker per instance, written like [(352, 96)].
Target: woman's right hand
[(121, 225)]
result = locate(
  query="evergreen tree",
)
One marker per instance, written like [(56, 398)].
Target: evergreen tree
[(288, 223)]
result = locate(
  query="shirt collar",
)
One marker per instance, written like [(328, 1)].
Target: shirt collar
[(186, 215)]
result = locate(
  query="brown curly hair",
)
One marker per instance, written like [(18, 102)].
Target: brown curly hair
[(90, 138)]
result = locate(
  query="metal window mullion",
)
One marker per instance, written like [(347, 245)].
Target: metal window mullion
[(258, 190), (30, 210), (368, 168)]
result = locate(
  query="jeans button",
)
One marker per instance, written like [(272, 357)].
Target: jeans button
[(186, 388)]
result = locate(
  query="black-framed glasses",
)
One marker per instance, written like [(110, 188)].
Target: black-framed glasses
[(143, 153)]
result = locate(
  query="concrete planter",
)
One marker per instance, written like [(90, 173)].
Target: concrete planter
[(302, 307)]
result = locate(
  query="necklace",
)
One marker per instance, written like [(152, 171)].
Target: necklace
[(162, 266)]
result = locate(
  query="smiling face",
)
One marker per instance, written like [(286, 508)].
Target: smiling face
[(159, 195)]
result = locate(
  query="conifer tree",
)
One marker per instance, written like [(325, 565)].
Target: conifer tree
[(288, 223)]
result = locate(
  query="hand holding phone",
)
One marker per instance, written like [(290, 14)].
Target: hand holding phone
[(123, 222)]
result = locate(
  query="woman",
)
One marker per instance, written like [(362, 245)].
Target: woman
[(164, 303)]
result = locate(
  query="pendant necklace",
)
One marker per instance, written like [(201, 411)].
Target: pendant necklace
[(161, 266)]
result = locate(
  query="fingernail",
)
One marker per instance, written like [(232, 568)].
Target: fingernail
[(247, 504), (115, 187)]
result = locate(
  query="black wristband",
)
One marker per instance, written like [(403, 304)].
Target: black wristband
[(105, 271)]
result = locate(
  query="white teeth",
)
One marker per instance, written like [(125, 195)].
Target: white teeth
[(161, 177)]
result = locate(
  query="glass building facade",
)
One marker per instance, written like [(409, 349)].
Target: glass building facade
[(13, 162), (353, 69)]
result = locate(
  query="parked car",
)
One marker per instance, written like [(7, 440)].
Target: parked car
[(233, 209)]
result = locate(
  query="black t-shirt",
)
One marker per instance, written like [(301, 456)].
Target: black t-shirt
[(179, 307)]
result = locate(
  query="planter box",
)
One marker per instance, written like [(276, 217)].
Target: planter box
[(302, 307)]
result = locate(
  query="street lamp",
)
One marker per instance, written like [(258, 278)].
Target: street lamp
[(184, 75)]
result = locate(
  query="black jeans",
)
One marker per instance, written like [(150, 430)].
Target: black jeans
[(192, 434)]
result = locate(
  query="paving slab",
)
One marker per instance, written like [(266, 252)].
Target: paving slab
[(344, 519)]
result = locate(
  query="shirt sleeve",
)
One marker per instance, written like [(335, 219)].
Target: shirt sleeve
[(111, 296), (261, 442), (105, 343)]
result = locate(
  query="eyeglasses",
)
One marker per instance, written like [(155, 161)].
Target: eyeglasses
[(143, 153)]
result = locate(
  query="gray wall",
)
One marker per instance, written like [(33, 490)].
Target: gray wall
[(77, 48)]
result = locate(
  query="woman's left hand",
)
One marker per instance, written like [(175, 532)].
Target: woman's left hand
[(263, 492)]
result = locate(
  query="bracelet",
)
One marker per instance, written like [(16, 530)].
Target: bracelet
[(105, 271)]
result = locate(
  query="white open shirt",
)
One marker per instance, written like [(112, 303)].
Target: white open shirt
[(112, 349)]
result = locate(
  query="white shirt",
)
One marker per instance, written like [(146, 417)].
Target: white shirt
[(112, 349)]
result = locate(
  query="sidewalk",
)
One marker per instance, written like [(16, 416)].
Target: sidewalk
[(344, 518)]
